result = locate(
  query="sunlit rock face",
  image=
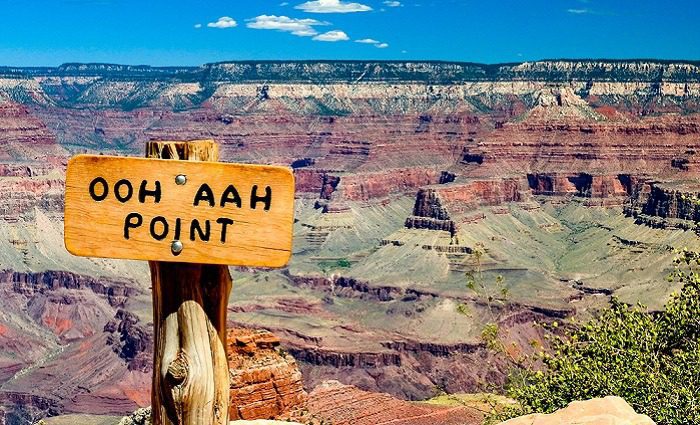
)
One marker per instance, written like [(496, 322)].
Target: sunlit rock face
[(265, 382)]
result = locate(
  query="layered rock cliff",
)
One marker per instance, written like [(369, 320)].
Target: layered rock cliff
[(265, 381), (445, 207)]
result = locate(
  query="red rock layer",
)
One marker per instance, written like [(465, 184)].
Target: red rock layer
[(459, 198), (583, 184), (340, 404), (265, 382), (371, 142), (23, 136), (101, 129), (366, 186), (443, 207), (654, 145)]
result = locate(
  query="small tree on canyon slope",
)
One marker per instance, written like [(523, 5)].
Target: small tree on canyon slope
[(652, 360), (495, 294)]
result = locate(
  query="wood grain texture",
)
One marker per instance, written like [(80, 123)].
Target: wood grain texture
[(238, 234), (190, 373)]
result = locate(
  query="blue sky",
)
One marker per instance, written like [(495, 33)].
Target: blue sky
[(177, 32)]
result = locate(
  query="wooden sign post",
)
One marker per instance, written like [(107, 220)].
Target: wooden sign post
[(190, 219)]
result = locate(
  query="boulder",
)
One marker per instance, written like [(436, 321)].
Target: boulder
[(600, 411)]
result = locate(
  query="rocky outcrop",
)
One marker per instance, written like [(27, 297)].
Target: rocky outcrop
[(265, 381), (350, 359), (444, 207), (414, 222), (665, 204), (131, 341), (602, 411), (670, 200), (315, 182)]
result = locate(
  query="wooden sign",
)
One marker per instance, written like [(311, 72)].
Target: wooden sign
[(179, 211)]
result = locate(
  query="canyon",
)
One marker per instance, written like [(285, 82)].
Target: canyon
[(557, 183)]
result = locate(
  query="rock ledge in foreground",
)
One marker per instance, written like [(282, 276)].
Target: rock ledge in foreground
[(599, 411)]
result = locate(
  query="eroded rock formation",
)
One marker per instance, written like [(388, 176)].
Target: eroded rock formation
[(132, 341), (265, 381), (443, 207)]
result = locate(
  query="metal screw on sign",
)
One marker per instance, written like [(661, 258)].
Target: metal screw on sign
[(176, 247)]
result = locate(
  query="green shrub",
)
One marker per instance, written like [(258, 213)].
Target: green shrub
[(651, 359), (329, 265)]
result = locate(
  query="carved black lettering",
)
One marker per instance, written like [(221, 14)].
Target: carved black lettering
[(155, 193), (118, 190), (231, 196), (224, 222), (159, 236), (93, 189), (132, 221), (203, 234), (254, 198), (178, 228), (204, 194)]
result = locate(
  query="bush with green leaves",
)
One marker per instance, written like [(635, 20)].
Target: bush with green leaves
[(651, 359)]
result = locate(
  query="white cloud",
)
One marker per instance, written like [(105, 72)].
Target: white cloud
[(300, 27), (332, 6), (223, 22), (376, 43), (284, 3), (334, 35), (393, 3), (578, 11), (198, 26)]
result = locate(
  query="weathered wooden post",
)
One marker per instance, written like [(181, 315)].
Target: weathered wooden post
[(190, 217), (190, 367)]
